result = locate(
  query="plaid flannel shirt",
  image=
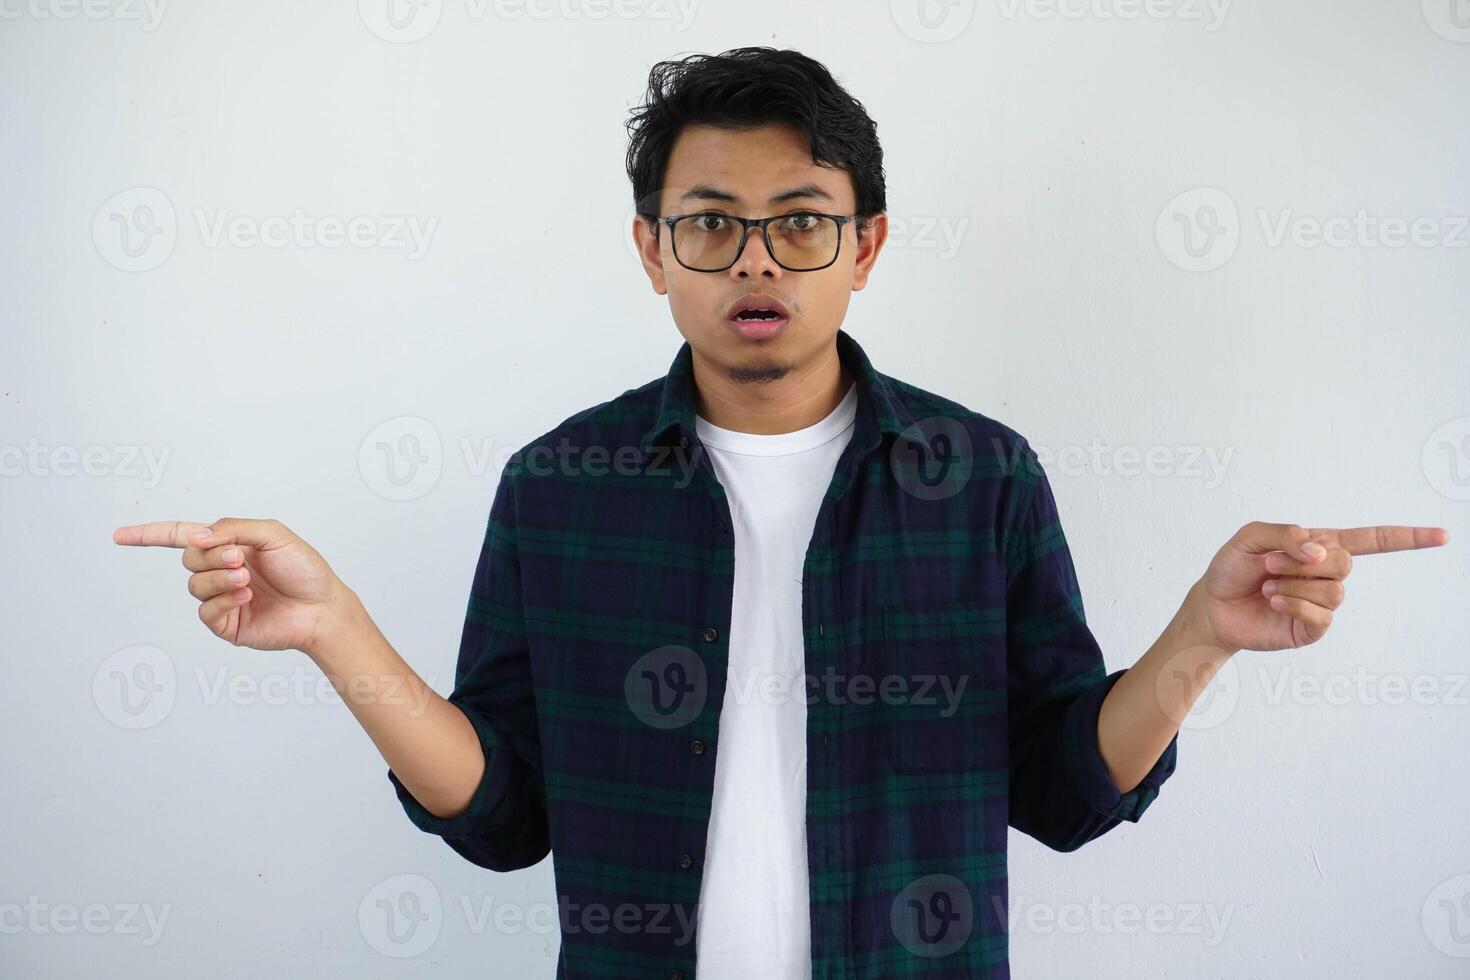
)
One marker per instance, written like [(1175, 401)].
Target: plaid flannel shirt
[(953, 684)]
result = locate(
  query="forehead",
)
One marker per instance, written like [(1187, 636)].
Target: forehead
[(752, 168)]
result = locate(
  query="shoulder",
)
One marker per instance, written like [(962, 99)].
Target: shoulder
[(991, 442), (599, 432), (1004, 480)]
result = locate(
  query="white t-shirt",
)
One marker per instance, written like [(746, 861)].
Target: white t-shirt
[(753, 919)]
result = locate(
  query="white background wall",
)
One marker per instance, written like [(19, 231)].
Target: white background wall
[(1036, 272)]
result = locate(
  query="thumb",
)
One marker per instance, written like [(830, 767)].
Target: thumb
[(262, 534), (1259, 537)]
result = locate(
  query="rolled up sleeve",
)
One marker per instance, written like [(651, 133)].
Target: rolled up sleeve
[(1061, 792), (1087, 767), (504, 828)]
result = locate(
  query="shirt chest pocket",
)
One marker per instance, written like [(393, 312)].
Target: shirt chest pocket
[(944, 700)]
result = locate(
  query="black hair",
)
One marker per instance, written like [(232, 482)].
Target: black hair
[(748, 87)]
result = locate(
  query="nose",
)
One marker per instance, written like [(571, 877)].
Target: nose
[(755, 258)]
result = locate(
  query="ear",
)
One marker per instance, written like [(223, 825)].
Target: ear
[(649, 241), (869, 243)]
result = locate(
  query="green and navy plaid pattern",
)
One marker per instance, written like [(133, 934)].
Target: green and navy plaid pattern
[(952, 683)]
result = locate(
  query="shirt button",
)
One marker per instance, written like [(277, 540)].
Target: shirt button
[(710, 634), (683, 441), (697, 747), (685, 860), (676, 974)]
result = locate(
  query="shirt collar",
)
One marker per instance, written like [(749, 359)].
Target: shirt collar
[(879, 409)]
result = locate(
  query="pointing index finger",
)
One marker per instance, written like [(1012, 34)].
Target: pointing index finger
[(167, 534), (1380, 538)]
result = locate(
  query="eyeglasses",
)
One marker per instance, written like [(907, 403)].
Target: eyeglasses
[(802, 241)]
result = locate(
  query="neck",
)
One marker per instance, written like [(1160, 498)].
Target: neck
[(802, 396)]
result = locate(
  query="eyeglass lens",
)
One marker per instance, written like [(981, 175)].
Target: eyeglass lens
[(798, 241)]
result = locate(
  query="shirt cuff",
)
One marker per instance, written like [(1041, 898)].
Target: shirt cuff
[(1089, 772), (490, 791)]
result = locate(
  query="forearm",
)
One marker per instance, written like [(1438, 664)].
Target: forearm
[(428, 743), (1145, 708)]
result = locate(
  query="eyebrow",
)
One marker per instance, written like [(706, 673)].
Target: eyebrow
[(709, 193)]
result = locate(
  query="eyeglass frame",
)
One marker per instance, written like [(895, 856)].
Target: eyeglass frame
[(761, 223)]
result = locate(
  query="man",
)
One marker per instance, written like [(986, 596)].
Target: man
[(769, 652)]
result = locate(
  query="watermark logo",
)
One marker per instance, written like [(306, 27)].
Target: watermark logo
[(1446, 458), (1450, 19), (1099, 918), (37, 460), (400, 21), (1199, 230), (1446, 917), (401, 916), (134, 919), (1198, 691), (136, 687), (933, 916), (1210, 13), (135, 230), (1363, 230), (1364, 687), (407, 233), (148, 13), (943, 235), (402, 458), (932, 21), (1190, 461), (666, 687), (932, 459), (407, 21)]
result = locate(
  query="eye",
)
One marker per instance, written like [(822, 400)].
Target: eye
[(709, 221), (801, 221)]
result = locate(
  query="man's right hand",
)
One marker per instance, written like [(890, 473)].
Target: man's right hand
[(259, 585)]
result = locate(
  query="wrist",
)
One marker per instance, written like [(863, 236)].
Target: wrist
[(343, 627), (1192, 622)]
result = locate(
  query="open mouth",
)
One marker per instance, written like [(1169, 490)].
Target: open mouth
[(756, 316)]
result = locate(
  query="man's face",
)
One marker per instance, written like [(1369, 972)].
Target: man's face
[(753, 173)]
